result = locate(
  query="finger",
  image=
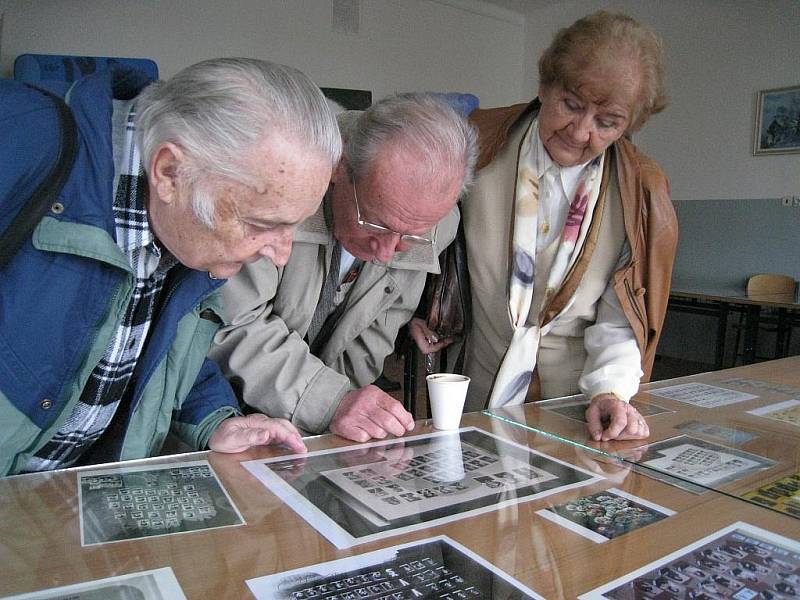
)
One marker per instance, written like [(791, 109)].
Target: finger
[(349, 430), (619, 421), (636, 429), (390, 415), (593, 423), (288, 435)]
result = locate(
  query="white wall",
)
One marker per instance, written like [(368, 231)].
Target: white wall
[(402, 45), (720, 53)]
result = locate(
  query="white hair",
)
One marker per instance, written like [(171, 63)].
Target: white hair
[(219, 110), (422, 122)]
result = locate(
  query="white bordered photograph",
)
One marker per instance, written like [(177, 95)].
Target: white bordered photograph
[(358, 494), (740, 561), (606, 515), (575, 408), (127, 503), (157, 584), (436, 567), (697, 465), (701, 394), (786, 412)]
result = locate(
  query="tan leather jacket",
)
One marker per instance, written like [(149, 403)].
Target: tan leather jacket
[(651, 226)]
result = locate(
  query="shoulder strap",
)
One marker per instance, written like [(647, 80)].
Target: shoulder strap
[(36, 206)]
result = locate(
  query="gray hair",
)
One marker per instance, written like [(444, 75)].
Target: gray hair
[(423, 122), (218, 110)]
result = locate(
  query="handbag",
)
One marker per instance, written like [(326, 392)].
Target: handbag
[(447, 296)]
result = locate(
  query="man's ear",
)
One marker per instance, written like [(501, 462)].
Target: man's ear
[(164, 170), (340, 174)]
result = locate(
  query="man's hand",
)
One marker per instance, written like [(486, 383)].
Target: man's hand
[(237, 434), (370, 413), (609, 418), (427, 341)]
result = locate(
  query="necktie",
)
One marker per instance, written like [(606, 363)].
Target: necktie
[(326, 304)]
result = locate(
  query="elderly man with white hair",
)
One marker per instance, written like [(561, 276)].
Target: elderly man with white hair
[(305, 342), (111, 302)]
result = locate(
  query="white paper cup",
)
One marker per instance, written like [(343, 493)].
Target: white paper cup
[(447, 392)]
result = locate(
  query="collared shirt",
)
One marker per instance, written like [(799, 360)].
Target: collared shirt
[(557, 185), (613, 363), (108, 384)]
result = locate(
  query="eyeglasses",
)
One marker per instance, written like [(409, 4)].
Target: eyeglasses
[(415, 240)]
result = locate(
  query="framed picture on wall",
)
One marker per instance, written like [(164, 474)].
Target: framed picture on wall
[(777, 128)]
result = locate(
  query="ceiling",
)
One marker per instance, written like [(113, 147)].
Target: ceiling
[(522, 6)]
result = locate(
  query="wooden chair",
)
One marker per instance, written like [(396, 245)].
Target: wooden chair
[(779, 288)]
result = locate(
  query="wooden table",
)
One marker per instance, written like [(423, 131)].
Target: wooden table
[(40, 528), (720, 301), (771, 382)]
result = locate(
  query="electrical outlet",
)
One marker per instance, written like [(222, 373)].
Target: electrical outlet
[(786, 201)]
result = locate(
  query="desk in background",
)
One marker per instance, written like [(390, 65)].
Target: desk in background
[(720, 302)]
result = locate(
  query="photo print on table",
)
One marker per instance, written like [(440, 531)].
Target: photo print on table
[(606, 515), (157, 584), (701, 394), (435, 567), (728, 435), (782, 495), (786, 412), (575, 409), (127, 503), (357, 494), (739, 562), (761, 386), (696, 465)]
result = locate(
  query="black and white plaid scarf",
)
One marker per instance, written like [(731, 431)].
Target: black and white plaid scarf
[(108, 383)]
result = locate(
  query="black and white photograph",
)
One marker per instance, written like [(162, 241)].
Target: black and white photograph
[(129, 503), (576, 409), (606, 515), (435, 567), (701, 395), (157, 584), (727, 435), (760, 386), (740, 562), (697, 465), (359, 494)]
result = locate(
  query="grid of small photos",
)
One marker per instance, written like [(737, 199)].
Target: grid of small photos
[(359, 494), (127, 503), (430, 568), (741, 562)]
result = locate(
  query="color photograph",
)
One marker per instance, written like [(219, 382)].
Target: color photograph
[(778, 121), (606, 515)]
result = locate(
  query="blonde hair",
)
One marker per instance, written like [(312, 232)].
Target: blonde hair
[(603, 39)]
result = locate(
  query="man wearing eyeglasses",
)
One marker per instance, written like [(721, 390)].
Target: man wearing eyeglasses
[(306, 341)]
